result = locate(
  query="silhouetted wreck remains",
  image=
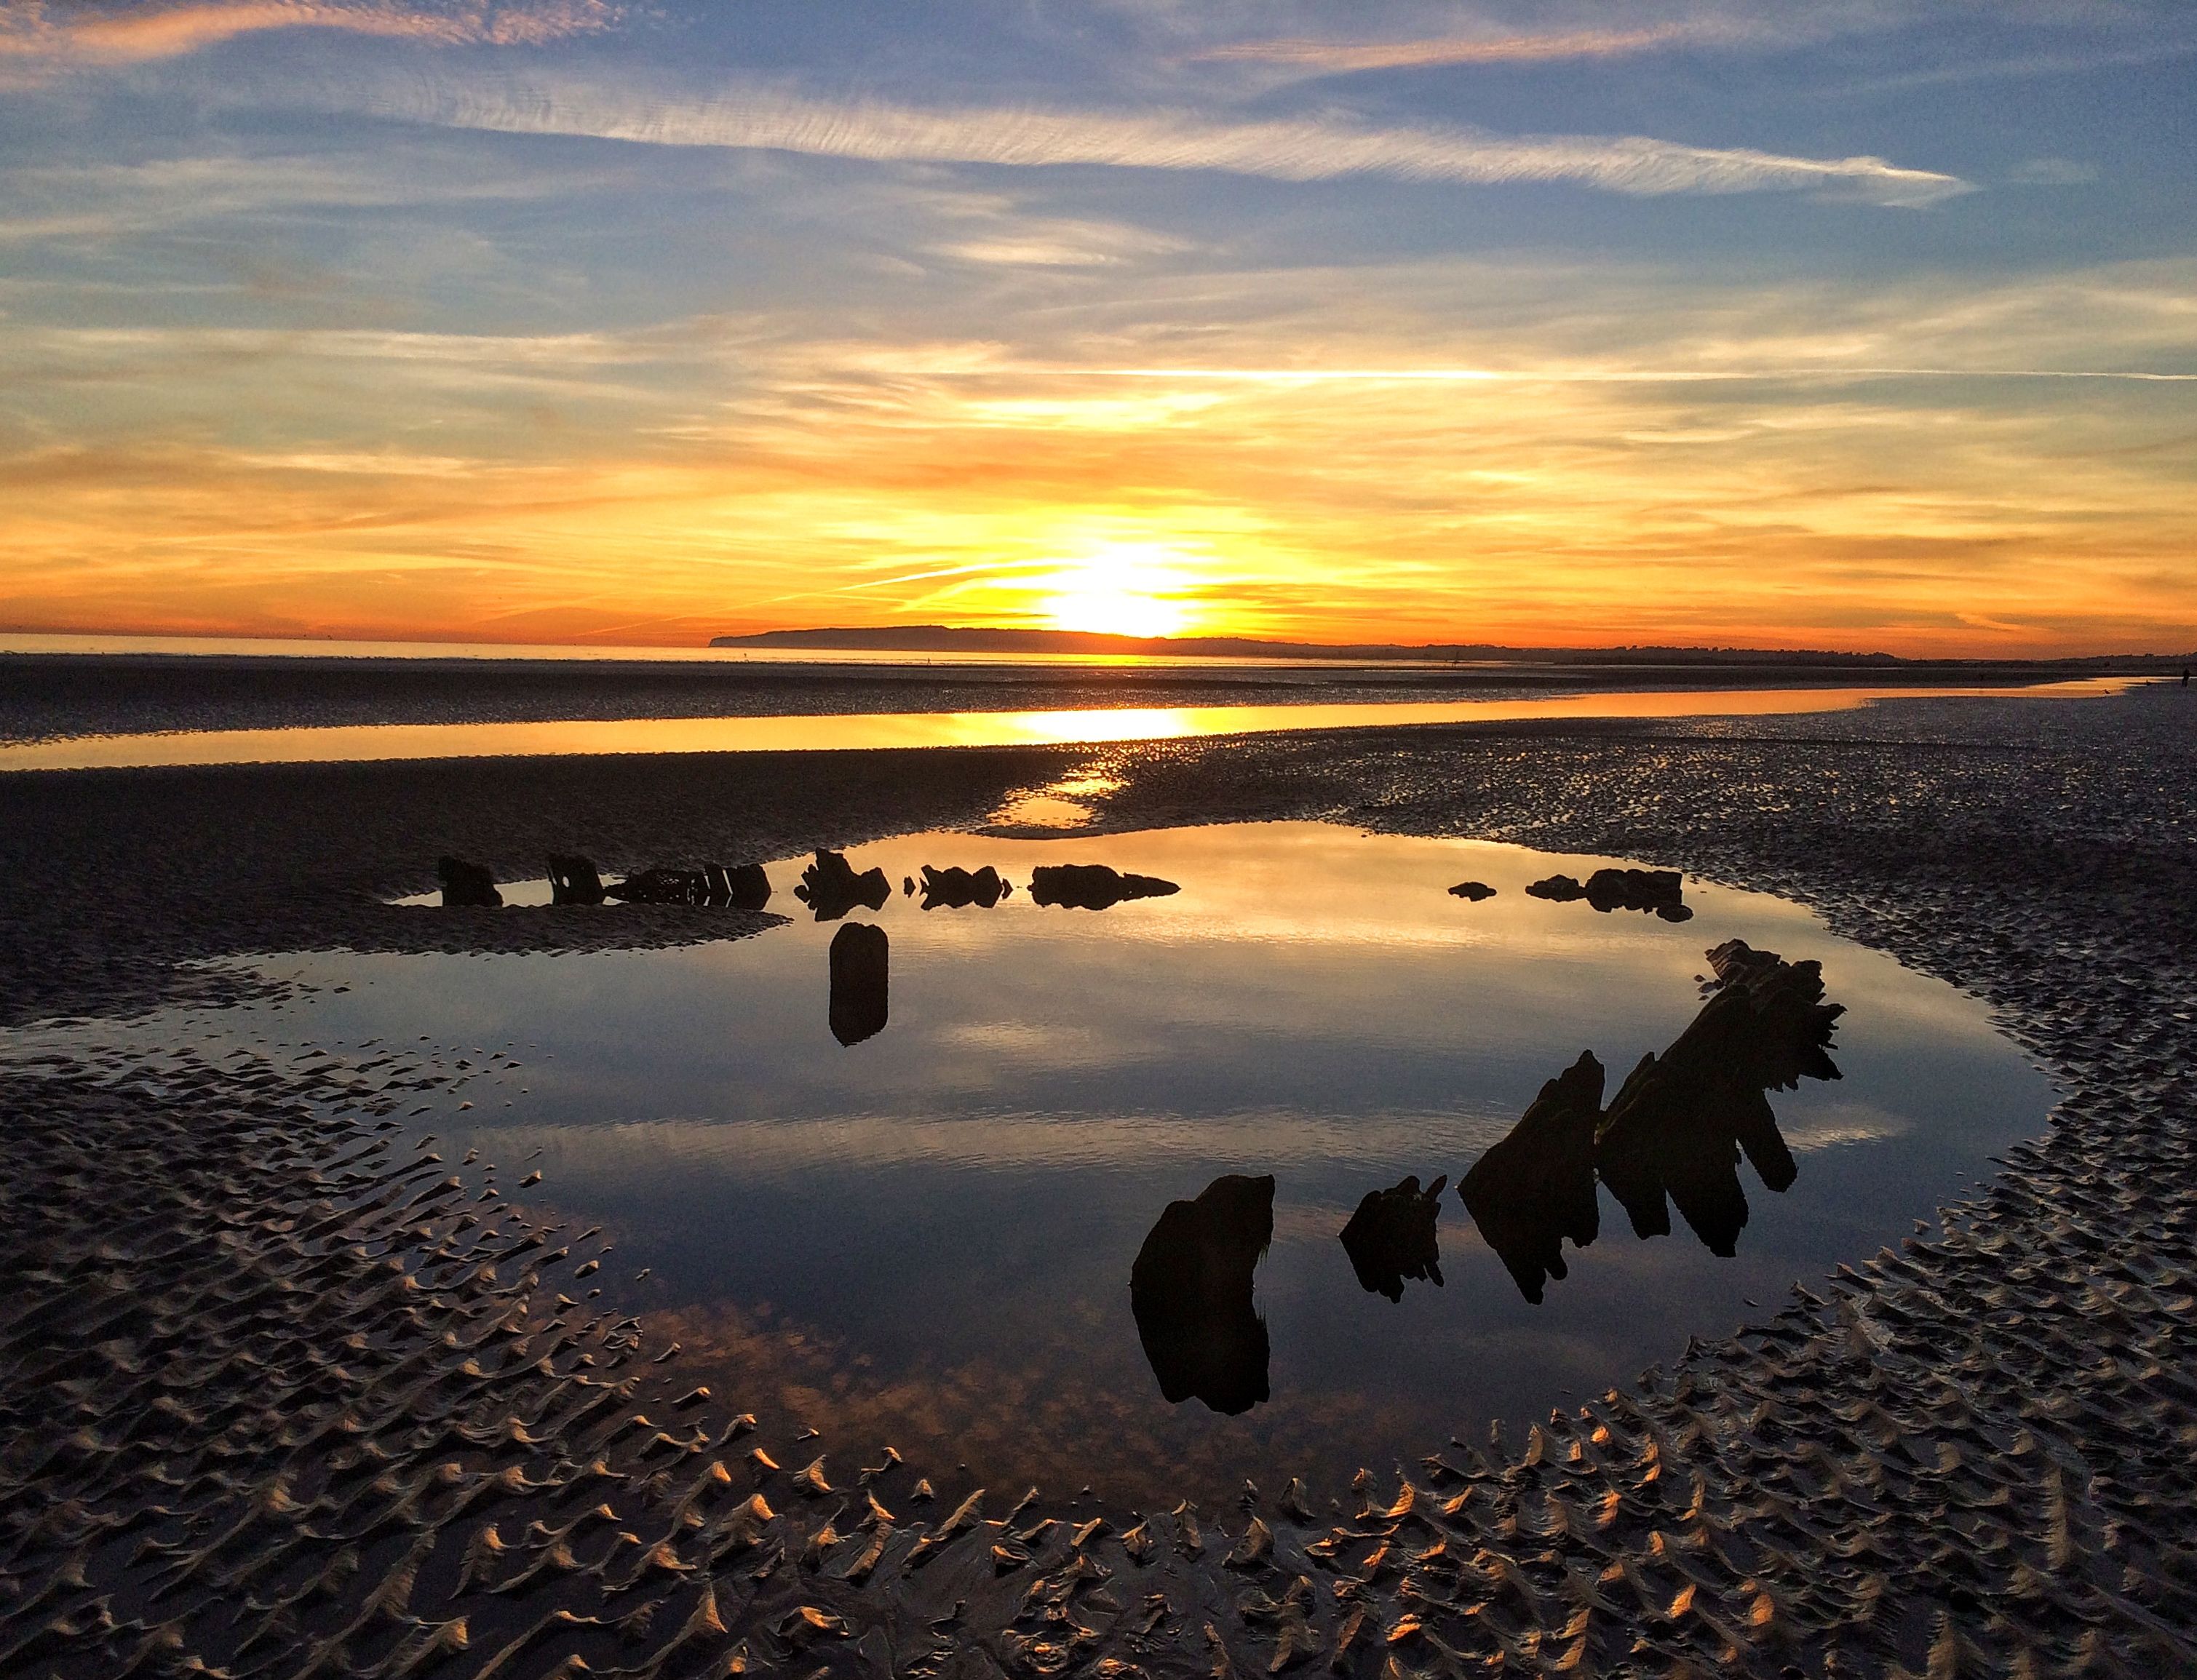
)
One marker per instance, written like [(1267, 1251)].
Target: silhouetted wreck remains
[(1391, 1238), (861, 960), (1661, 891), (1472, 891), (1536, 1187), (1677, 1125), (958, 888), (1557, 889), (1673, 1133), (1191, 1291), (1092, 886), (746, 887), (466, 883), (573, 880), (829, 886), (662, 886)]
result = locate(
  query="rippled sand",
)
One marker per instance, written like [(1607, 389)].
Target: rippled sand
[(275, 1402)]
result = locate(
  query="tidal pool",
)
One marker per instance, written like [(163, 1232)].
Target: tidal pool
[(926, 1236)]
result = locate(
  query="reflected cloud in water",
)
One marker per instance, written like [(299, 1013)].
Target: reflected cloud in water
[(947, 1214)]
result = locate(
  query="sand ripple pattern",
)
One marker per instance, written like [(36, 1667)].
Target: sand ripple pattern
[(274, 1403)]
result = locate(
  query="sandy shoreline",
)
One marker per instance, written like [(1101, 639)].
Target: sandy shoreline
[(1972, 1452), (52, 696), (118, 877), (45, 697)]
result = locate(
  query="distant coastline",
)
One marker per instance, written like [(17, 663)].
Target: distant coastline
[(923, 646), (945, 638)]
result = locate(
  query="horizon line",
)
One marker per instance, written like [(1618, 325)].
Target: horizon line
[(299, 645)]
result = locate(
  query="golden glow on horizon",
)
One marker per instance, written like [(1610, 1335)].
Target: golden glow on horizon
[(596, 323), (939, 487), (1124, 589)]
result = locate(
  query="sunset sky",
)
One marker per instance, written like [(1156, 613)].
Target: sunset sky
[(1851, 324)]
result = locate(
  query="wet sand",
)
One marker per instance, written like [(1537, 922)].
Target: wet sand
[(117, 876), (1084, 726), (57, 697), (266, 1408), (47, 697)]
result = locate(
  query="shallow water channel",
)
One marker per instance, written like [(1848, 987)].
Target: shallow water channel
[(362, 743), (926, 1237)]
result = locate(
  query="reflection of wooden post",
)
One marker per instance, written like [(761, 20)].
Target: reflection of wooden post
[(1675, 1132), (1678, 1123), (1190, 1293), (860, 955), (1391, 1238), (1536, 1187)]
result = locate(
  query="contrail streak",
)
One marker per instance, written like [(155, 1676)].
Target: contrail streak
[(1298, 150)]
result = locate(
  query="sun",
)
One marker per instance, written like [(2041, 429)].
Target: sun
[(1123, 589)]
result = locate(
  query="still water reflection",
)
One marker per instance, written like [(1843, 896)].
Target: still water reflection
[(1167, 1193), (359, 743)]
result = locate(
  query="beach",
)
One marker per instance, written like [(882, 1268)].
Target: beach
[(1142, 842), (54, 696), (45, 696), (283, 1397)]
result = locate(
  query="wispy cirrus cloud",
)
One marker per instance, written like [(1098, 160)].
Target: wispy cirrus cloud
[(1329, 57), (1010, 242), (106, 200), (1774, 375), (2091, 35), (1294, 149), (34, 34)]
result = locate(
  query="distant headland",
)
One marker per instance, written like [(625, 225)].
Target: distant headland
[(948, 640)]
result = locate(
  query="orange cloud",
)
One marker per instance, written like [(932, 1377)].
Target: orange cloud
[(664, 483), (33, 30), (1556, 515)]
